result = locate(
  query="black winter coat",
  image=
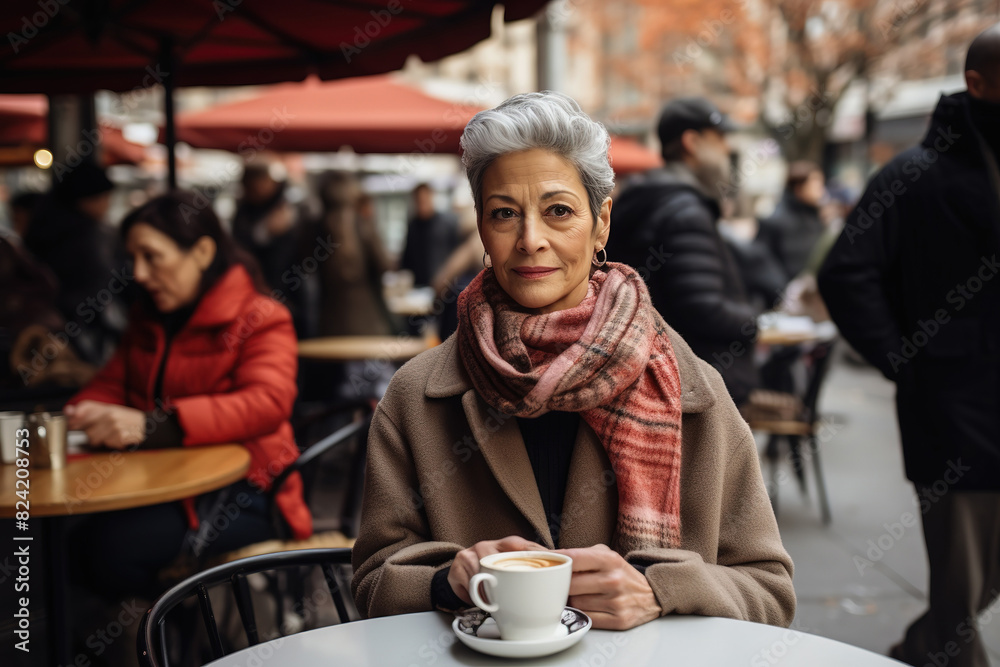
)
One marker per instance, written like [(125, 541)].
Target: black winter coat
[(912, 283), (429, 244), (89, 262), (791, 233), (665, 227)]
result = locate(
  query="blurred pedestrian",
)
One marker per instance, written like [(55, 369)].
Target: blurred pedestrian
[(912, 284), (793, 229), (430, 239), (350, 273), (264, 221), (665, 225), (464, 263), (68, 234)]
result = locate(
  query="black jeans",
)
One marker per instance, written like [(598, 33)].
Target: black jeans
[(118, 554)]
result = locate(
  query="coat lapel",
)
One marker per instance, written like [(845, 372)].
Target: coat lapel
[(590, 507)]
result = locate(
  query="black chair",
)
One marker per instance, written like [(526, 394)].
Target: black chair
[(293, 587), (802, 424), (340, 437), (152, 646)]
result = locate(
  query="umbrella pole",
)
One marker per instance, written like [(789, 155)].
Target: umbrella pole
[(168, 111)]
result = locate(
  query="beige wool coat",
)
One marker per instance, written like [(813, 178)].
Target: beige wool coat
[(445, 471)]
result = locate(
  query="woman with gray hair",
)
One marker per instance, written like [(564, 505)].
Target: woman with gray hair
[(564, 414)]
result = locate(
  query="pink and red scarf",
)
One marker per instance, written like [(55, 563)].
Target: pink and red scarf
[(610, 359)]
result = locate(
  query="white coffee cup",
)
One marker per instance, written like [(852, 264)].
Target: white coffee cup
[(10, 423), (527, 592)]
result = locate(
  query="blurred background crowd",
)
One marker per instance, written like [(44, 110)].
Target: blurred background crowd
[(820, 94)]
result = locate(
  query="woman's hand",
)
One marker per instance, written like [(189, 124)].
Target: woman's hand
[(466, 561), (114, 426), (609, 590)]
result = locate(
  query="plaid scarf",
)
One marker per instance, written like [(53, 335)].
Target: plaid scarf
[(609, 359)]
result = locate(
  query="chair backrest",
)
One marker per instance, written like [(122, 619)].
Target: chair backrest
[(341, 436), (819, 358), (152, 645)]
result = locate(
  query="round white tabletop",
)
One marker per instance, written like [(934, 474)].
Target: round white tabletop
[(418, 640)]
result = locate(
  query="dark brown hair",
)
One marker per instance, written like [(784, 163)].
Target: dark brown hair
[(186, 217)]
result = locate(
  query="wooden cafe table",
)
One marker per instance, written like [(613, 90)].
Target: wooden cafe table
[(110, 480), (105, 481), (417, 302), (386, 351), (363, 348)]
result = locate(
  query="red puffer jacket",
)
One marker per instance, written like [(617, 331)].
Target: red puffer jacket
[(229, 376)]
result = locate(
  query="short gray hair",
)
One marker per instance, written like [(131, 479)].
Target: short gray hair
[(547, 120)]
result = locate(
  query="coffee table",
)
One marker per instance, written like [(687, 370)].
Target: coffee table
[(107, 481), (363, 348), (426, 638)]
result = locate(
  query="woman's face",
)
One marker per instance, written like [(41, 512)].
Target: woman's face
[(538, 230), (170, 274)]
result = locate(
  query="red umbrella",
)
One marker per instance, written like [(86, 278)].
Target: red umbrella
[(22, 119), (23, 126), (629, 156), (363, 113), (52, 46), (371, 114)]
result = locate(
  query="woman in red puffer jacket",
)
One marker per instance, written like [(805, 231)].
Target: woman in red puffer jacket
[(207, 359)]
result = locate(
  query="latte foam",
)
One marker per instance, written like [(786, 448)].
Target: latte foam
[(524, 563)]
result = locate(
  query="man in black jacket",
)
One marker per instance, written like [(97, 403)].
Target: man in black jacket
[(664, 225), (430, 239), (792, 230), (912, 283)]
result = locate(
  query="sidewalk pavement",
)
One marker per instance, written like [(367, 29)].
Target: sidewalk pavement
[(862, 579)]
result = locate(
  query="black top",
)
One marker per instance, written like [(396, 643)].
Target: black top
[(429, 243), (549, 441), (172, 324), (791, 233), (166, 430)]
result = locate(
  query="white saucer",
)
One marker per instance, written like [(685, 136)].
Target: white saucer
[(479, 632)]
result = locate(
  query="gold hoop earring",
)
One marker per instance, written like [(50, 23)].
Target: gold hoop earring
[(485, 258), (602, 261)]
